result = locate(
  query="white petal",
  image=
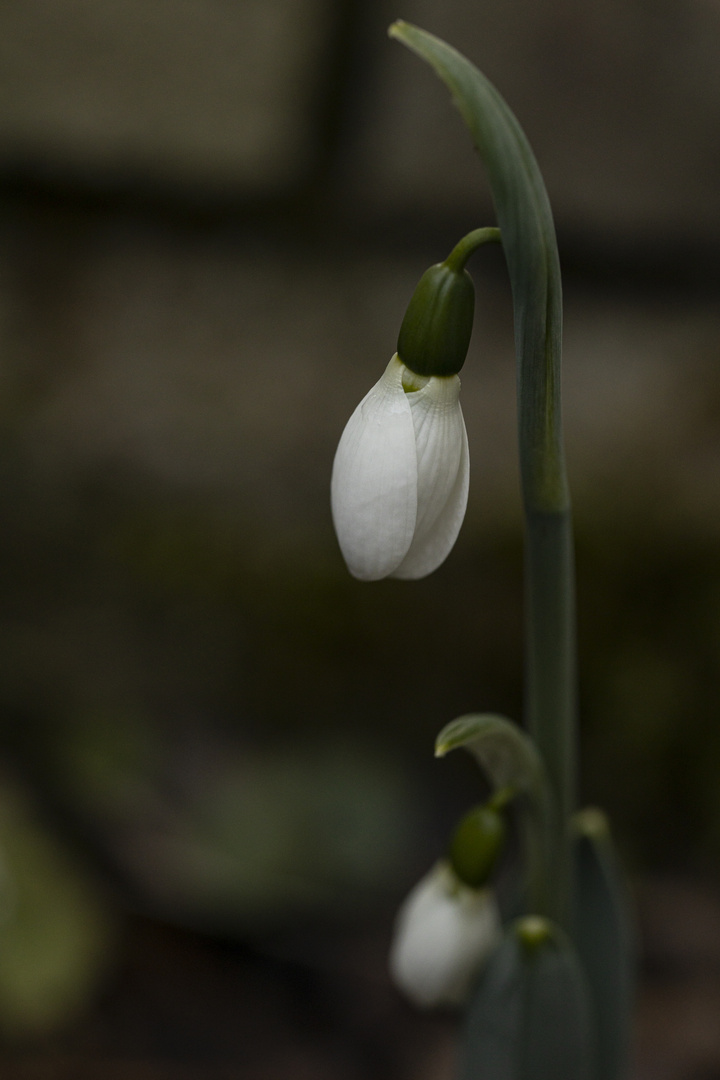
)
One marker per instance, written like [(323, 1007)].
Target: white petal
[(374, 480), (444, 933), (443, 475)]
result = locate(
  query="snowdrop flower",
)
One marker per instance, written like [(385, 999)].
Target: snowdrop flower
[(444, 933), (400, 476)]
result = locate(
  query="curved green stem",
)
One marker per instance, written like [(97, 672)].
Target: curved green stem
[(464, 248)]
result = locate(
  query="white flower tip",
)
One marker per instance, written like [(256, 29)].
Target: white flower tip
[(444, 933)]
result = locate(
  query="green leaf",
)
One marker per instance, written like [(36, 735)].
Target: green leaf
[(604, 938), (502, 750), (528, 239), (57, 937), (510, 761), (529, 1019)]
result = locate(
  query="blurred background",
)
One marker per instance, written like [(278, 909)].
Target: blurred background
[(216, 778)]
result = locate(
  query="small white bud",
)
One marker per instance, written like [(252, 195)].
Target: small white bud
[(444, 933)]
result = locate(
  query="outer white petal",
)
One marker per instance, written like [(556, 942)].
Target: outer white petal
[(374, 480), (443, 475), (444, 933)]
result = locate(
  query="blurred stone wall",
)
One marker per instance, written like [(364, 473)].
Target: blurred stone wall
[(205, 94), (621, 100)]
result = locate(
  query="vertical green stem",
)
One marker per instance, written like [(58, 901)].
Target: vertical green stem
[(550, 631), (550, 610), (551, 671)]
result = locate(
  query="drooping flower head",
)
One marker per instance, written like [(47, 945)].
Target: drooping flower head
[(401, 471)]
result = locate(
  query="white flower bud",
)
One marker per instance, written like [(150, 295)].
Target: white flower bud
[(400, 476), (444, 932)]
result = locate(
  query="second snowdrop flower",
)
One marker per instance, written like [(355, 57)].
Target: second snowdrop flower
[(444, 934), (400, 476)]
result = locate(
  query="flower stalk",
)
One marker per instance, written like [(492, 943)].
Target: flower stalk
[(469, 244)]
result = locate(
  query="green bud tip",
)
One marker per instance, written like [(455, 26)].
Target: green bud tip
[(591, 822), (476, 844), (533, 931)]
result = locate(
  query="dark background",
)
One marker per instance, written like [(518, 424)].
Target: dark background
[(217, 778)]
